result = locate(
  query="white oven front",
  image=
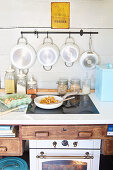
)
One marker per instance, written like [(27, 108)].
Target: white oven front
[(81, 157)]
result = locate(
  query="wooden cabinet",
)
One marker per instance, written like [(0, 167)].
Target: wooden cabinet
[(63, 132)]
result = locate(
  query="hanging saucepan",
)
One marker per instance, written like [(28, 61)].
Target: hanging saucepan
[(69, 52), (48, 53), (89, 59), (23, 55)]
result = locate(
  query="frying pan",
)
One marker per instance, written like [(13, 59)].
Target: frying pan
[(52, 105), (89, 59), (69, 51), (23, 55)]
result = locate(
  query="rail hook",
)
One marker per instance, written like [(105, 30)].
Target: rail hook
[(47, 34), (69, 34), (37, 34)]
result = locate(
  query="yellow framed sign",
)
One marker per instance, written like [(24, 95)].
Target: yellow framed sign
[(60, 15)]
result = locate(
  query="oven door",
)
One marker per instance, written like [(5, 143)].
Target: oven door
[(73, 160)]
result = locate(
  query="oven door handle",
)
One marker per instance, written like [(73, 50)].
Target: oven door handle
[(42, 156)]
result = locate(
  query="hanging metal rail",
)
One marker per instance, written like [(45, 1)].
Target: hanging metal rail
[(81, 32)]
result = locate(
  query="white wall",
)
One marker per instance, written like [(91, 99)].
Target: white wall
[(90, 15)]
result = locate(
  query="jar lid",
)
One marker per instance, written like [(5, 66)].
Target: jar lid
[(10, 69), (73, 81), (21, 74), (62, 81), (31, 81)]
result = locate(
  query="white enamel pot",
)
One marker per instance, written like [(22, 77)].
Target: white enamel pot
[(89, 59), (23, 55), (48, 53), (69, 51)]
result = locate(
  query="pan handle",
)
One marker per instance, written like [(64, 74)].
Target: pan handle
[(47, 68), (70, 38), (70, 94), (90, 44), (69, 64), (46, 38), (23, 38)]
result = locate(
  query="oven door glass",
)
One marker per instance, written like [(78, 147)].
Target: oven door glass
[(64, 164)]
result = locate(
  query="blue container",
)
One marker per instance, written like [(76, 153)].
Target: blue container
[(13, 163), (104, 82)]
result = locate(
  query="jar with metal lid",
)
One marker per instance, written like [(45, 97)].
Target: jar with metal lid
[(21, 83), (75, 85), (31, 86), (62, 86), (10, 80)]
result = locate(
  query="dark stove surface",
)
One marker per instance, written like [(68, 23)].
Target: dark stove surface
[(81, 104)]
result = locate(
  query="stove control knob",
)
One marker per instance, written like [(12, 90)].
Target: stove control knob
[(65, 143), (54, 144), (75, 144)]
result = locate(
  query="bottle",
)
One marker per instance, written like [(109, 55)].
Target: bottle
[(21, 82), (31, 86), (10, 81), (62, 86)]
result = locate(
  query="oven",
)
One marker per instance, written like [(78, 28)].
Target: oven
[(64, 154)]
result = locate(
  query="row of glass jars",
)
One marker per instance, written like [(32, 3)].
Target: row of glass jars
[(75, 86), (20, 84)]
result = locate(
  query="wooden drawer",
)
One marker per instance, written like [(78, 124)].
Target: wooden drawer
[(63, 132), (10, 147)]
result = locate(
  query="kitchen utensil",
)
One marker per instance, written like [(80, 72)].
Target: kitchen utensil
[(69, 52), (23, 55), (48, 53), (11, 110), (65, 99), (89, 59)]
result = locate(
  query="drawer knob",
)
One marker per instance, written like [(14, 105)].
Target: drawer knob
[(75, 144), (54, 144)]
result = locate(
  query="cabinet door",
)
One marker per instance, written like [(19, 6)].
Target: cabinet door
[(10, 147), (107, 147), (63, 132)]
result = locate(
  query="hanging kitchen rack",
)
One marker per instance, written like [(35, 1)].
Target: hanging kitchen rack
[(81, 32)]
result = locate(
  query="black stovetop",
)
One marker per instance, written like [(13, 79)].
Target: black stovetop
[(81, 104)]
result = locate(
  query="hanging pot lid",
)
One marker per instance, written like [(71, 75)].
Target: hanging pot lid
[(48, 53), (69, 51), (23, 55), (89, 59)]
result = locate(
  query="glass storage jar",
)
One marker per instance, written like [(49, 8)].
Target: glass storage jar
[(21, 83), (31, 86), (62, 86), (10, 81), (86, 83), (75, 85)]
